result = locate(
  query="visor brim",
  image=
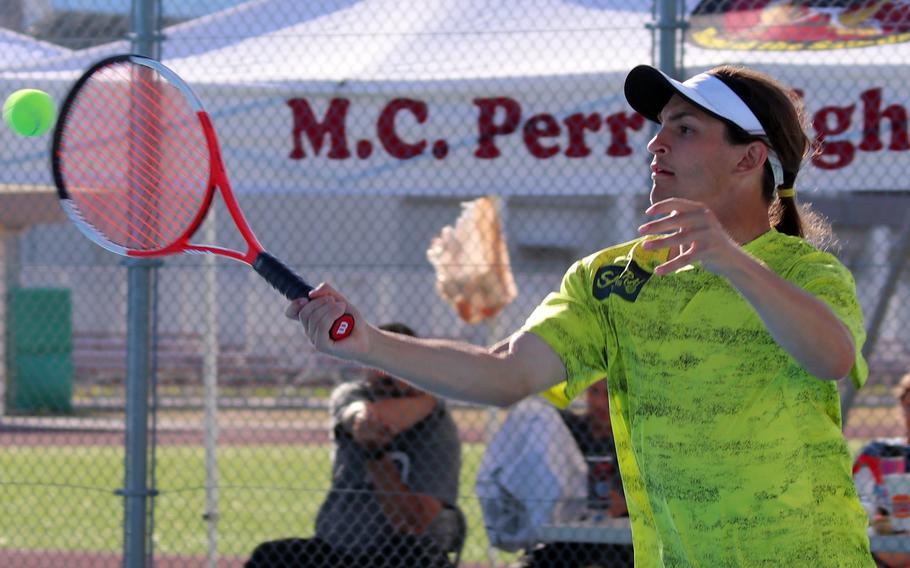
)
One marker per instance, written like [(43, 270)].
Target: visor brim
[(648, 91)]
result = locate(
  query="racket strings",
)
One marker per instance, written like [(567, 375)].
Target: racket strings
[(134, 157), (143, 171), (144, 158), (110, 206), (137, 213)]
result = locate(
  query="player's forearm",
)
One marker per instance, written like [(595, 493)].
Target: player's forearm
[(451, 369), (798, 321)]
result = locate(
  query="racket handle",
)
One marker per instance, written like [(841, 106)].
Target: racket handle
[(293, 286)]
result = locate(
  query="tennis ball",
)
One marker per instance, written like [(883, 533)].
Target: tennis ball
[(29, 112)]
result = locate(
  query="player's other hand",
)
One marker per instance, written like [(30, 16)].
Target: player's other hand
[(318, 313), (691, 228)]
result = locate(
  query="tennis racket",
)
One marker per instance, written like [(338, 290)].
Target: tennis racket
[(137, 163)]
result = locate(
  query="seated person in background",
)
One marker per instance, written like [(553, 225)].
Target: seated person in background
[(877, 459), (394, 482), (594, 435)]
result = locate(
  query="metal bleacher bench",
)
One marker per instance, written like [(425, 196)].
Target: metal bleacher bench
[(100, 357)]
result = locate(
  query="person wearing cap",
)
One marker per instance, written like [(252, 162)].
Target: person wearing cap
[(723, 330)]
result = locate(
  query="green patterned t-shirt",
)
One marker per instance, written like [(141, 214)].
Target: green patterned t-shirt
[(730, 453)]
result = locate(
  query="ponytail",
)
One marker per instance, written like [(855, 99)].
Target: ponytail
[(782, 116)]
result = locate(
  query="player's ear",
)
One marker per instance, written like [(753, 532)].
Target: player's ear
[(753, 157)]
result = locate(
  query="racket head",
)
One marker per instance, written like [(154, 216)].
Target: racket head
[(130, 157)]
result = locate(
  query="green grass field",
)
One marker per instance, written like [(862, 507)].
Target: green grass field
[(62, 498)]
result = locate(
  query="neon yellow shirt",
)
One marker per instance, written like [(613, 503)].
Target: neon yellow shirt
[(730, 453)]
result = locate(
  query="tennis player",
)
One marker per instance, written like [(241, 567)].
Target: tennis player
[(723, 331)]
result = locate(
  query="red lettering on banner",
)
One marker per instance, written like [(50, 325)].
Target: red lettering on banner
[(872, 123), (619, 123), (884, 128), (537, 127), (487, 127), (385, 128), (577, 124), (333, 125), (837, 154), (832, 120)]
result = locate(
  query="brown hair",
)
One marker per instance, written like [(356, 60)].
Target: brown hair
[(780, 111)]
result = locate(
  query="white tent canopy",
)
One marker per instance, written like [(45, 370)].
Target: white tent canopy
[(22, 205), (17, 49), (528, 74)]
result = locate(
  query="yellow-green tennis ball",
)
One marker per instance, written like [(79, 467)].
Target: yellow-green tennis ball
[(29, 112)]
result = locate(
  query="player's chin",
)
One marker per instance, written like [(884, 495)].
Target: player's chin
[(664, 187), (659, 193)]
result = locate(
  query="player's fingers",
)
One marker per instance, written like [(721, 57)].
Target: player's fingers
[(672, 222), (325, 315), (699, 233), (293, 309), (680, 261), (682, 237), (325, 289), (314, 313), (667, 206), (321, 316)]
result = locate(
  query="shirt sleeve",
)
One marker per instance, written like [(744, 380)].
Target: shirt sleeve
[(823, 276), (573, 324)]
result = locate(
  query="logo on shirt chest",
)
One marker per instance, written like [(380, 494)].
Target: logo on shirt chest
[(624, 281)]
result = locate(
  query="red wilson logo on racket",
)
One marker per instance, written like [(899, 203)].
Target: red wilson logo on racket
[(342, 327)]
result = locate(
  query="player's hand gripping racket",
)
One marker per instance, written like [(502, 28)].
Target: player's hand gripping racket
[(136, 163)]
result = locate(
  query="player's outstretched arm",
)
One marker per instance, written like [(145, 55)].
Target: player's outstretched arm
[(499, 376)]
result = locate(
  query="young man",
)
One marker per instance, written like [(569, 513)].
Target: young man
[(394, 482), (722, 332)]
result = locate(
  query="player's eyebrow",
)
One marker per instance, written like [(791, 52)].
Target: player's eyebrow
[(677, 115)]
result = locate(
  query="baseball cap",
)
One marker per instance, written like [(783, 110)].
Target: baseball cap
[(648, 90)]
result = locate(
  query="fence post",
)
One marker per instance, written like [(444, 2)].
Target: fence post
[(670, 19), (146, 40)]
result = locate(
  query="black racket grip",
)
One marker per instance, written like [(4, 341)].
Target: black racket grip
[(293, 286)]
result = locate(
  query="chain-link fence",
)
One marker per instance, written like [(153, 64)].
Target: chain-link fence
[(353, 131)]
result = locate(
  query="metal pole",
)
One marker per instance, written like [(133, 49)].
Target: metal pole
[(210, 380), (669, 22), (145, 41), (146, 34), (494, 329), (138, 363)]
